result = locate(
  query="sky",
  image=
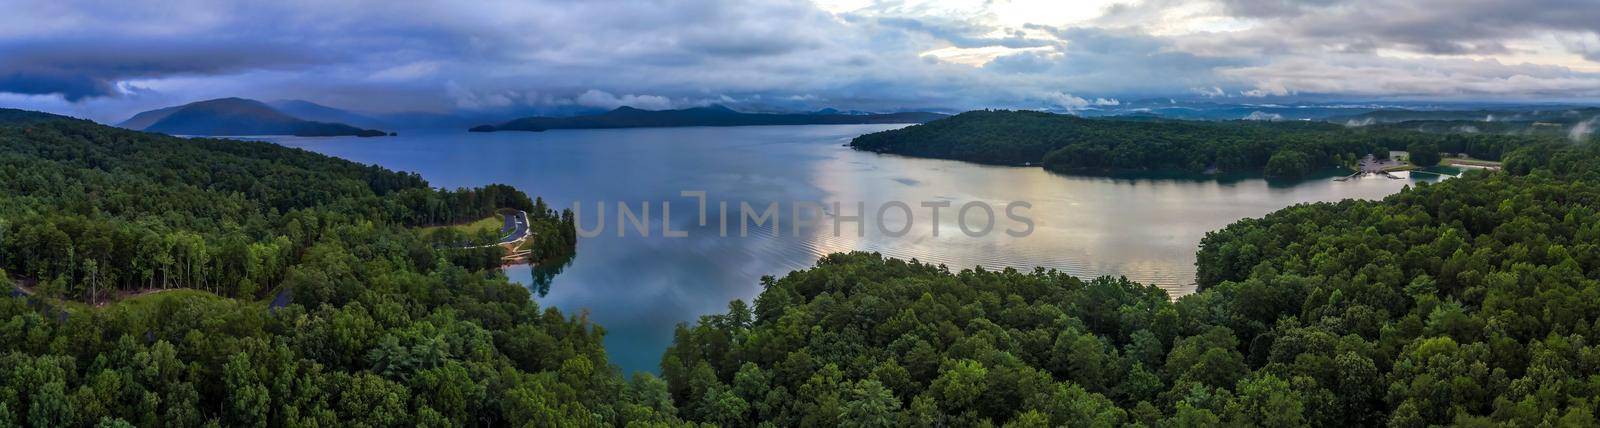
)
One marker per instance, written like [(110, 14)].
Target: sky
[(106, 60)]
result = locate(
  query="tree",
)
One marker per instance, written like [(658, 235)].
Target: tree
[(50, 408), (375, 401), (247, 398), (1423, 154), (723, 407), (1288, 163), (1187, 415), (91, 210), (113, 423), (871, 405), (960, 386), (1267, 401)]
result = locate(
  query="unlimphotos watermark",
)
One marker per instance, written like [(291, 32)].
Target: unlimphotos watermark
[(893, 218)]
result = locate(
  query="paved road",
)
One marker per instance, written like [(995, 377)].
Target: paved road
[(515, 228)]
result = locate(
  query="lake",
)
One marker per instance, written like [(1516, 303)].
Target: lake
[(638, 287)]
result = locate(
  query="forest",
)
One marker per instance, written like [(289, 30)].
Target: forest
[(1071, 144), (1471, 302), (87, 211), (269, 286)]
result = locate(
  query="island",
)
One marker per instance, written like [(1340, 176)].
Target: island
[(237, 117), (714, 115)]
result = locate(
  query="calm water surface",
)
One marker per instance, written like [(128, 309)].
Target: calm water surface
[(638, 288)]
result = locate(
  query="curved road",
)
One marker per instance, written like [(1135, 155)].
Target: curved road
[(516, 227)]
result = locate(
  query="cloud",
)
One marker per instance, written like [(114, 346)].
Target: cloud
[(1421, 78), (471, 100), (963, 34), (83, 67), (1274, 89), (1586, 45), (1023, 62), (82, 57), (412, 71), (1447, 27), (603, 99), (1211, 92), (1583, 129), (1070, 102)]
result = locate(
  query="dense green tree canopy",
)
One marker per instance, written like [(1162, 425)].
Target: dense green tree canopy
[(88, 210), (1471, 301), (1289, 163), (384, 328), (1423, 153)]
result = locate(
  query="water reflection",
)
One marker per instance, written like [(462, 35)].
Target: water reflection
[(540, 274)]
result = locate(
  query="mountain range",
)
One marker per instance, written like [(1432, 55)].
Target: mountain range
[(320, 113), (240, 116), (714, 115)]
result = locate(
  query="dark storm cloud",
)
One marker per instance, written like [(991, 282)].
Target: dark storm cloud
[(83, 68), (72, 86)]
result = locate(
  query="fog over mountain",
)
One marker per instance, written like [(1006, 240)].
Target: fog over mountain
[(499, 60)]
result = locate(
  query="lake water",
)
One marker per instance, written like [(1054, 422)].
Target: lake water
[(639, 287)]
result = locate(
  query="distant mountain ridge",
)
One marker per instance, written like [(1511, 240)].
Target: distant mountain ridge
[(145, 119), (714, 115), (320, 113), (238, 116)]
